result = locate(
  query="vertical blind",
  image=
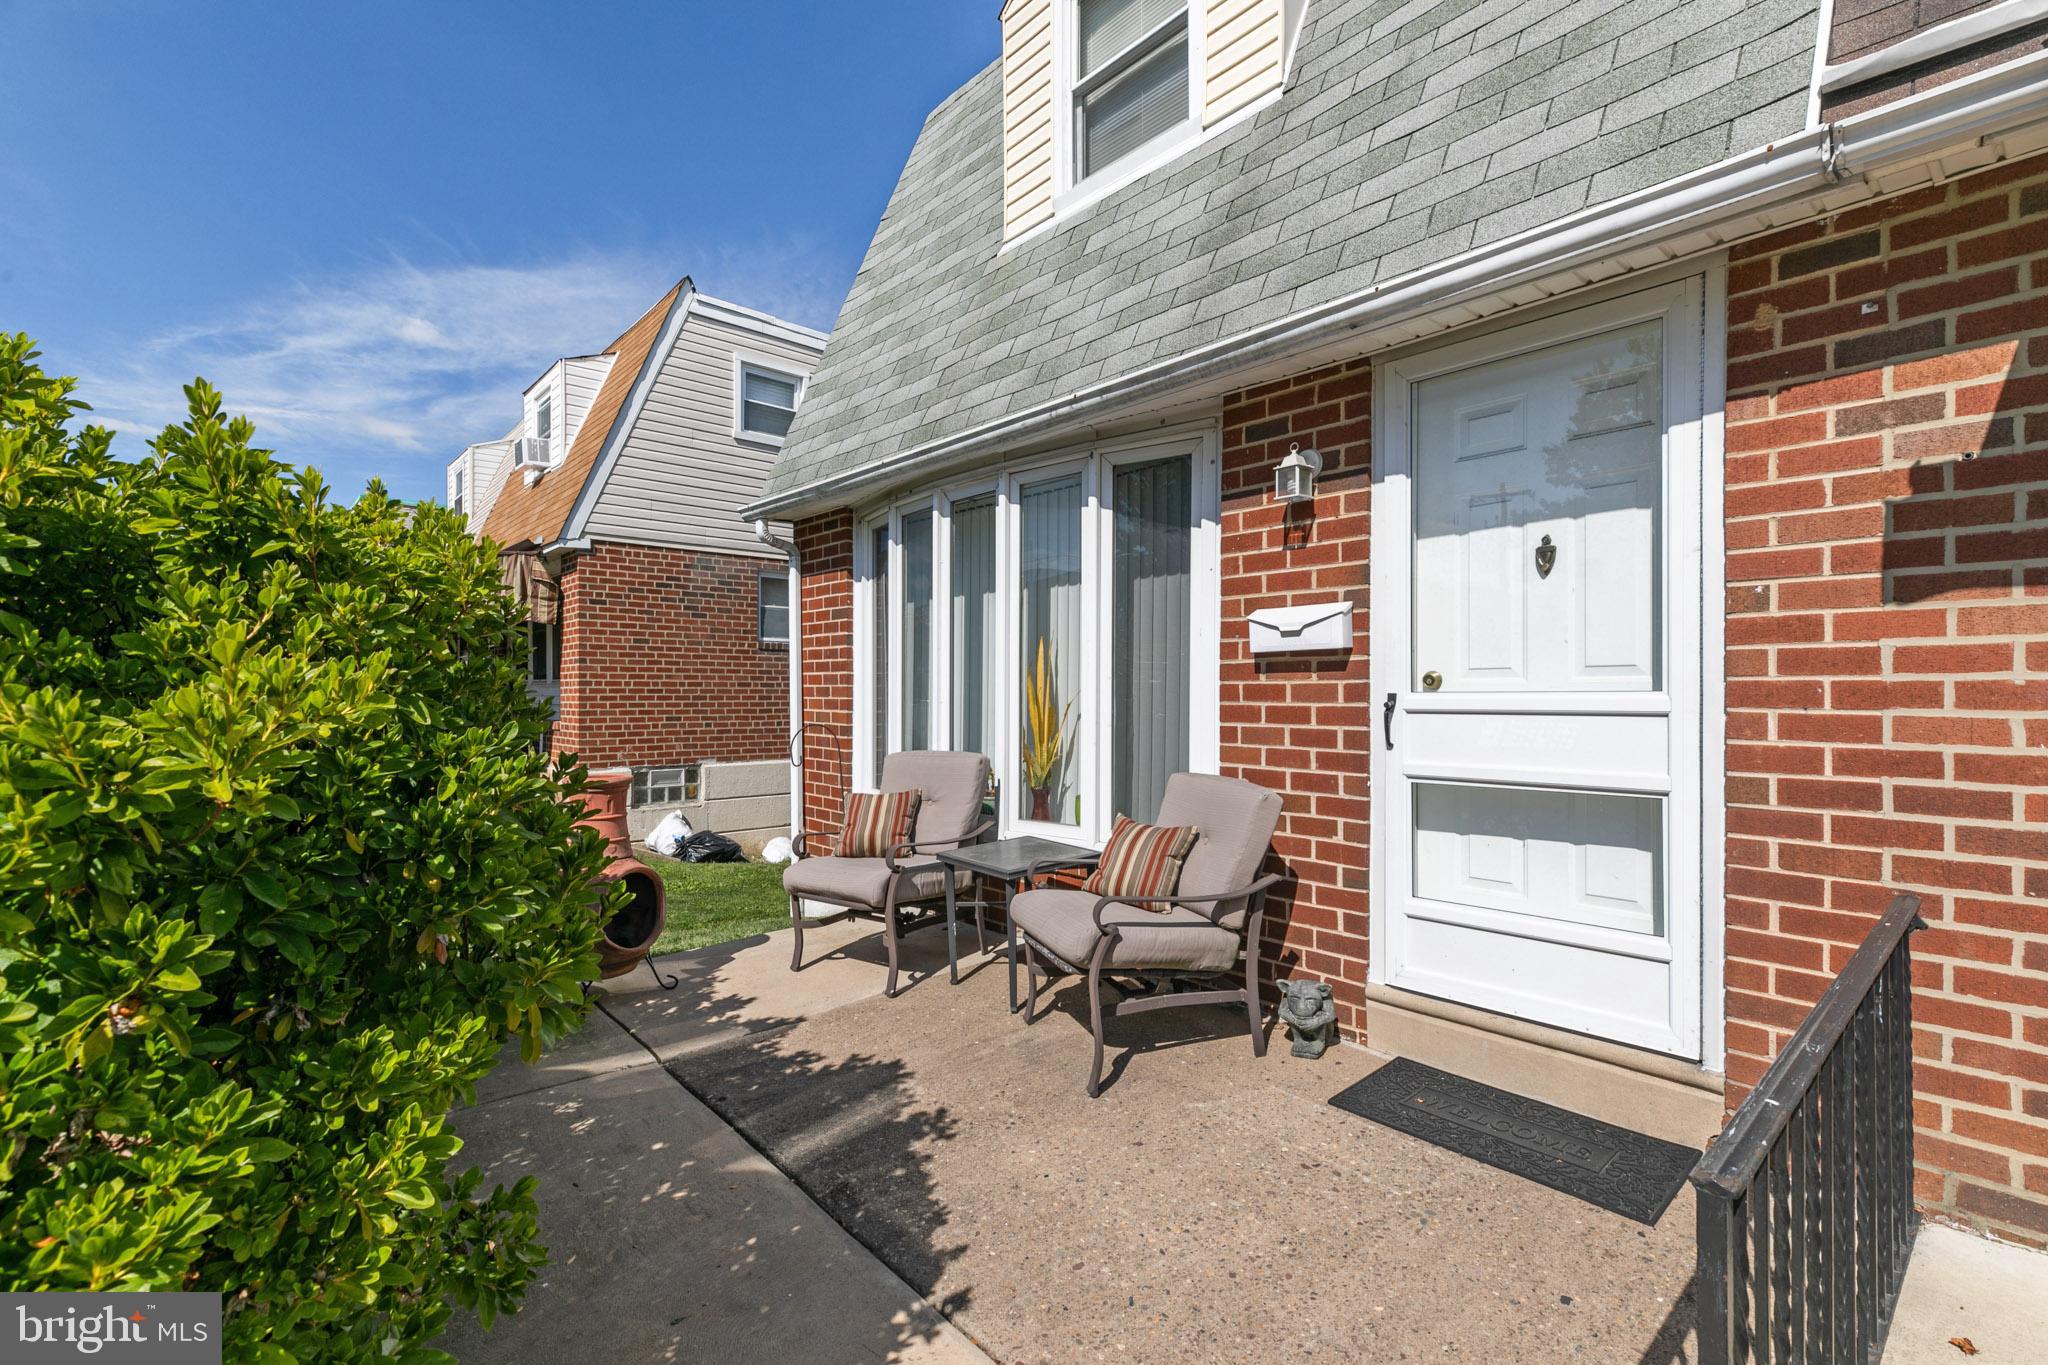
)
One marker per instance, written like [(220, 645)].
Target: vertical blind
[(917, 631), (1049, 584), (1150, 558), (878, 708), (973, 604)]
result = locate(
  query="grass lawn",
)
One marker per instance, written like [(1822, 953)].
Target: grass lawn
[(718, 902)]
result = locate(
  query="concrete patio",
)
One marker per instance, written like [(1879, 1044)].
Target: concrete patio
[(1207, 1207)]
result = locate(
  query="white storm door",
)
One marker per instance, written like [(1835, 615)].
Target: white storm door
[(1536, 646)]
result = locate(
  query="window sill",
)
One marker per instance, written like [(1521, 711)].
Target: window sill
[(755, 438)]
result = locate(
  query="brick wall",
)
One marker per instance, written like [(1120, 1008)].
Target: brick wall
[(1303, 726), (1887, 502), (661, 659), (825, 561)]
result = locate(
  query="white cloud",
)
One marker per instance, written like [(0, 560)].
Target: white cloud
[(390, 371)]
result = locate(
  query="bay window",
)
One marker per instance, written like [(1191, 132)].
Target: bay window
[(1060, 618)]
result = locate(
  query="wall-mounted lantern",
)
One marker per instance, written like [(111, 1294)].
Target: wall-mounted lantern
[(1295, 479)]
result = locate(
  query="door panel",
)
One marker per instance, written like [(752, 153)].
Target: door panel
[(1526, 797), (1574, 857), (1559, 449)]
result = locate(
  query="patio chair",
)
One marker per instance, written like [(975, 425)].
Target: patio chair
[(949, 814), (1192, 937)]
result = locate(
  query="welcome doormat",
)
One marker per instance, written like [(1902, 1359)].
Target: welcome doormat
[(1621, 1171)]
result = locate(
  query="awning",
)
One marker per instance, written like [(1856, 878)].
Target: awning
[(530, 583)]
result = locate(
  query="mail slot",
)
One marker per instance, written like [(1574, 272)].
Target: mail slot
[(1289, 630)]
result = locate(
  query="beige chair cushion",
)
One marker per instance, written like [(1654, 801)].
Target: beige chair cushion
[(1063, 920), (862, 881), (1237, 820), (952, 784)]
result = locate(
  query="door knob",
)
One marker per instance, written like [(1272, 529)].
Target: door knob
[(1432, 680)]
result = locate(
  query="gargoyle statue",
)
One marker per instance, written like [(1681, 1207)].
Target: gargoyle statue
[(1310, 1015)]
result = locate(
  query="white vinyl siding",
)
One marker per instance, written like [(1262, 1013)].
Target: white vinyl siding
[(582, 376), (1028, 163), (682, 476), (1245, 57)]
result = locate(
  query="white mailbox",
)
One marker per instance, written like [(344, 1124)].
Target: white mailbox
[(1288, 630)]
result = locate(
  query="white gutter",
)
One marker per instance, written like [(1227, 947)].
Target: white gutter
[(1715, 204), (1937, 40), (767, 537)]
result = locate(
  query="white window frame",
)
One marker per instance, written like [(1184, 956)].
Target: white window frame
[(1202, 444), (761, 635), (544, 422), (742, 364), (1072, 190)]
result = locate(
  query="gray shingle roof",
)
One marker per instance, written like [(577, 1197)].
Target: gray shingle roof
[(1413, 130)]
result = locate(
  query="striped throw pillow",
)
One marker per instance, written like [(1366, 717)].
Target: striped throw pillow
[(1142, 860), (877, 822)]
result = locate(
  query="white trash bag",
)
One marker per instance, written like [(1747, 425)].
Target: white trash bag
[(777, 850), (668, 836)]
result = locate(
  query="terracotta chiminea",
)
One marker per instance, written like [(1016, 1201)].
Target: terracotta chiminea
[(629, 934)]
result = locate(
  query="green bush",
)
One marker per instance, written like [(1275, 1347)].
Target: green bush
[(280, 869)]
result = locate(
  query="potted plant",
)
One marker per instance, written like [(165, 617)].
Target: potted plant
[(1045, 734)]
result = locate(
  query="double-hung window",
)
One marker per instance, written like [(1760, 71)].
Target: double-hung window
[(1131, 78), (544, 424), (1061, 619), (767, 402)]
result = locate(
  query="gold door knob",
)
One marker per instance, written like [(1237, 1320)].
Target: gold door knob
[(1432, 680)]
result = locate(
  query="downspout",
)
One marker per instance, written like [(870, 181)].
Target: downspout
[(767, 537)]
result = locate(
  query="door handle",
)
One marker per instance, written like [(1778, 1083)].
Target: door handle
[(1387, 717)]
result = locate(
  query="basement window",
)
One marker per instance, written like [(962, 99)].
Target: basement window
[(666, 786)]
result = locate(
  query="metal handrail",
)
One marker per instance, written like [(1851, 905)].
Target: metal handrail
[(1806, 1215), (1731, 1164)]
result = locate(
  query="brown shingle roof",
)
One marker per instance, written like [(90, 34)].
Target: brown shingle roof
[(533, 514)]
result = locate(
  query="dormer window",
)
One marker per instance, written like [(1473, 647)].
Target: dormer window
[(1131, 79), (544, 422)]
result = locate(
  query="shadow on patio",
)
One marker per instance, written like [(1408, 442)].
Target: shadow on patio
[(671, 1239), (1207, 1207)]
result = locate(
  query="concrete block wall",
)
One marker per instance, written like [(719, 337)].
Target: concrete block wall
[(1887, 691), (748, 802)]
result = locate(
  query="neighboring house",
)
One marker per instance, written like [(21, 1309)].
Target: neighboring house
[(659, 623), (1672, 586)]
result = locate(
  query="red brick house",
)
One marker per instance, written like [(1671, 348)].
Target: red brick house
[(659, 622), (1676, 387)]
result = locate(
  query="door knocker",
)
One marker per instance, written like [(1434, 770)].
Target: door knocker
[(1546, 558)]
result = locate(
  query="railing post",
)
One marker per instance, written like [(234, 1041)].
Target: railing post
[(1719, 1292)]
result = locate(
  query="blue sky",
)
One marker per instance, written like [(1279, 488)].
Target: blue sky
[(372, 224)]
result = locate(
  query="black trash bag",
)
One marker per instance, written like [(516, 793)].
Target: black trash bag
[(706, 847)]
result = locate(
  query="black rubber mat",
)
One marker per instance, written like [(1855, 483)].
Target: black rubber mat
[(1618, 1170)]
